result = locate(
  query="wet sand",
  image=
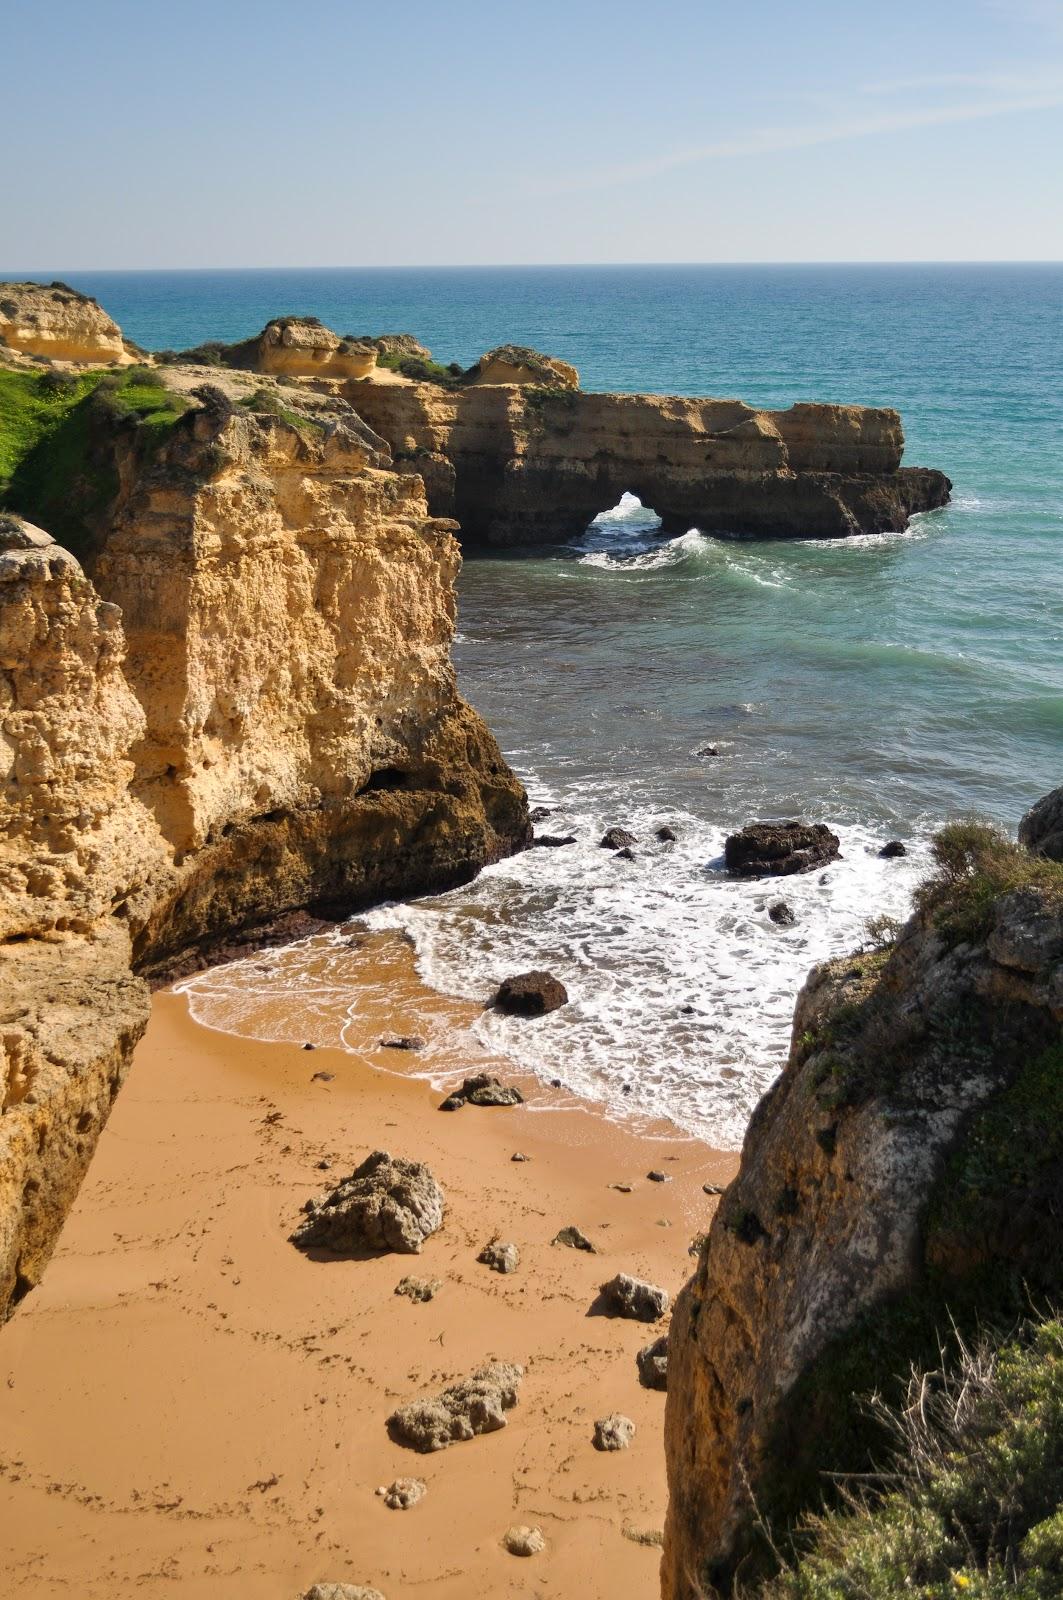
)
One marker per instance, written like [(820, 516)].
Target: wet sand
[(191, 1407)]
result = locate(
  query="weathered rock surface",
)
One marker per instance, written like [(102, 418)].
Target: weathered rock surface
[(302, 347), (58, 322), (387, 1203), (778, 849), (617, 839), (500, 1256), (342, 1591), (518, 464), (403, 1493), (477, 1404), (781, 914), (1041, 829), (521, 1540), (482, 1089), (652, 1362), (625, 1296), (614, 1432), (518, 364), (892, 849), (530, 994), (420, 1290), (575, 1239), (899, 1177)]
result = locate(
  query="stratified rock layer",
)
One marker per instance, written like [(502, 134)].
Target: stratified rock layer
[(526, 464), (58, 322), (906, 1165)]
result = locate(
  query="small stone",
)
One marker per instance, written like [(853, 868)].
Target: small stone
[(893, 848), (530, 994), (613, 1432), (712, 1188), (483, 1089), (666, 835), (322, 1077), (621, 1188), (574, 1239), (500, 1257), (518, 1155), (625, 1296), (652, 1362), (616, 839), (523, 1541), (555, 1083), (404, 1493), (342, 1591), (419, 1290), (658, 1177), (651, 1537), (626, 854), (403, 1041), (782, 914), (308, 1047)]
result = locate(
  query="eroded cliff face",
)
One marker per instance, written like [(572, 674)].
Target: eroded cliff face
[(246, 707), (903, 1173), (57, 322), (530, 464)]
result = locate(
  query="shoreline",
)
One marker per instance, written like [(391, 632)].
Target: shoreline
[(186, 1398)]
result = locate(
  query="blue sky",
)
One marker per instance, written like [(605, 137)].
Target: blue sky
[(337, 132)]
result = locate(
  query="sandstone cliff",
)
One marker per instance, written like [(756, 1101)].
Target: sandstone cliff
[(903, 1178), (524, 464), (246, 706), (57, 322)]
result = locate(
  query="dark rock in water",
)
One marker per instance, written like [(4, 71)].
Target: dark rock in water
[(708, 750), (780, 848), (540, 813), (575, 1239), (1041, 829), (630, 1297), (555, 1083), (613, 1432), (403, 1041), (552, 841), (473, 1405), (893, 848), (616, 839), (652, 1362), (530, 994), (666, 835), (626, 854), (658, 1177), (781, 913), (483, 1089), (499, 1257), (686, 1011), (387, 1203)]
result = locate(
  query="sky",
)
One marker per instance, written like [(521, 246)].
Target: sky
[(247, 133)]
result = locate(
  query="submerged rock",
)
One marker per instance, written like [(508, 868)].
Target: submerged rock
[(613, 1432), (552, 841), (617, 839), (667, 835), (499, 1257), (782, 914), (625, 1296), (652, 1362), (524, 1541), (472, 1405), (779, 849), (484, 1089), (388, 1203), (402, 1041), (530, 994), (893, 848)]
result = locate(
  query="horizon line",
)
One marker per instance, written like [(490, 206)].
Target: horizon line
[(564, 266)]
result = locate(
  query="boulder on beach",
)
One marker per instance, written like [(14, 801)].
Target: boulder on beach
[(617, 839), (778, 849), (388, 1203), (472, 1405), (524, 1541), (652, 1362), (499, 1256), (613, 1432), (403, 1493), (575, 1239), (419, 1290), (483, 1089), (625, 1296), (530, 994)]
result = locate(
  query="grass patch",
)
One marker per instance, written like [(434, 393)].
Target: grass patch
[(976, 864), (422, 370), (57, 430), (267, 403)]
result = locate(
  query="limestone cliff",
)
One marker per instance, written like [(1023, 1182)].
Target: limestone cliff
[(246, 706), (519, 463), (904, 1176), (57, 322)]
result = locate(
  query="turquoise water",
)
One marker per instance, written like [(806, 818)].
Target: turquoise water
[(880, 685)]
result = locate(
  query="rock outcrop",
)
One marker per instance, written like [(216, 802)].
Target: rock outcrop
[(387, 1203), (901, 1179), (477, 1404), (524, 463), (301, 347), (779, 849), (55, 321), (1041, 829)]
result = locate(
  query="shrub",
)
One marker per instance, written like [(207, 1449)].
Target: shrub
[(976, 864)]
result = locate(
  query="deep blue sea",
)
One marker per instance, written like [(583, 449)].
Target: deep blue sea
[(880, 684)]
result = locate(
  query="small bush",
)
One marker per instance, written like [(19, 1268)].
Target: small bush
[(976, 864)]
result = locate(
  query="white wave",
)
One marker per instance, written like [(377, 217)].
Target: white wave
[(669, 554)]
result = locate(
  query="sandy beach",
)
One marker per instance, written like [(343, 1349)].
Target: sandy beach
[(190, 1406)]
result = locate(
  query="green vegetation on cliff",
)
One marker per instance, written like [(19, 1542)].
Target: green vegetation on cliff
[(57, 431), (972, 1502)]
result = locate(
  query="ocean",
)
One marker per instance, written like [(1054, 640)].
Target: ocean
[(880, 684)]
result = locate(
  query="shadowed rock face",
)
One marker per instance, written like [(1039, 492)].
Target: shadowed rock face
[(520, 464), (905, 1170)]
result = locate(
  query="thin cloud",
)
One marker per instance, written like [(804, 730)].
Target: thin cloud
[(769, 141)]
